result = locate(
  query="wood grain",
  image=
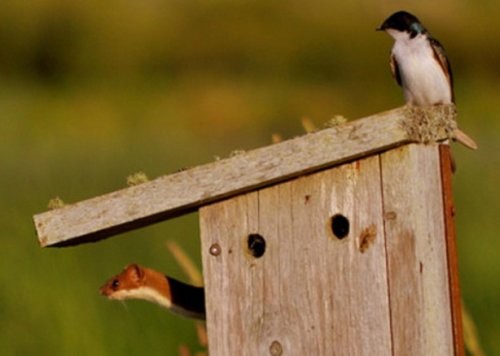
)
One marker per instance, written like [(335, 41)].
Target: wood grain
[(310, 293), (183, 192), (451, 248), (416, 251)]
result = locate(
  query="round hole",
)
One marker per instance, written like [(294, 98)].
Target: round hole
[(340, 226), (256, 245)]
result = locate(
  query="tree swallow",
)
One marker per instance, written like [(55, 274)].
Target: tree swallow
[(420, 66), (418, 62)]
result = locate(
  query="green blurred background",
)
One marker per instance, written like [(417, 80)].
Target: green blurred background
[(92, 91)]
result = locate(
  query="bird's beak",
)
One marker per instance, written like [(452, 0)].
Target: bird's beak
[(379, 28)]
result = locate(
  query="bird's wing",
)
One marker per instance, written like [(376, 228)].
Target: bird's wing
[(395, 69), (440, 56)]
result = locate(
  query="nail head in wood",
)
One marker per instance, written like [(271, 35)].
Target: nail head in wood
[(275, 349), (215, 249)]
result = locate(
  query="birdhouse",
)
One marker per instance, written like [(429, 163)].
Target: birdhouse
[(338, 242)]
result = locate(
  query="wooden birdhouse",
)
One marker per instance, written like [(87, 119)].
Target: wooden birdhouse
[(338, 242)]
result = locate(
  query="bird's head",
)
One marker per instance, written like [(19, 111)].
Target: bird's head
[(402, 24)]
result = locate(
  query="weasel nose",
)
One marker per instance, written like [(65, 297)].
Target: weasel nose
[(103, 291)]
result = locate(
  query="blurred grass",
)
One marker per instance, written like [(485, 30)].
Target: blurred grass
[(91, 92)]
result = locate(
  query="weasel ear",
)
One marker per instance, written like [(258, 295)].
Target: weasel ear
[(135, 272)]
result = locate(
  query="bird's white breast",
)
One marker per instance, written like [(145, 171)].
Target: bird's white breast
[(423, 79)]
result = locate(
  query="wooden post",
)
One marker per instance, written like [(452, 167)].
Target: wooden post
[(340, 242)]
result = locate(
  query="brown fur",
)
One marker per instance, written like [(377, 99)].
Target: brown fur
[(133, 277)]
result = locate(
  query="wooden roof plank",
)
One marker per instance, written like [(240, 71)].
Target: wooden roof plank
[(186, 191)]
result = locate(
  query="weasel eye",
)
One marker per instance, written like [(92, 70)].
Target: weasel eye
[(115, 284)]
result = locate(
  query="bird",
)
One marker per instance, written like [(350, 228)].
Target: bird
[(418, 61), (419, 64)]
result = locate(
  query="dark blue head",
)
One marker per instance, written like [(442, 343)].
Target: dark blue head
[(403, 21)]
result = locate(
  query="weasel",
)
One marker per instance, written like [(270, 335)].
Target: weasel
[(137, 282)]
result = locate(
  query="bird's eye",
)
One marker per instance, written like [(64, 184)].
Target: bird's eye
[(115, 284)]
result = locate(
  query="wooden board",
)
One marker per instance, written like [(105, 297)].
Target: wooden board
[(384, 289), (421, 317), (183, 192), (451, 248), (310, 293)]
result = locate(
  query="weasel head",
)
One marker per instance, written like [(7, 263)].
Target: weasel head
[(131, 278), (137, 282)]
